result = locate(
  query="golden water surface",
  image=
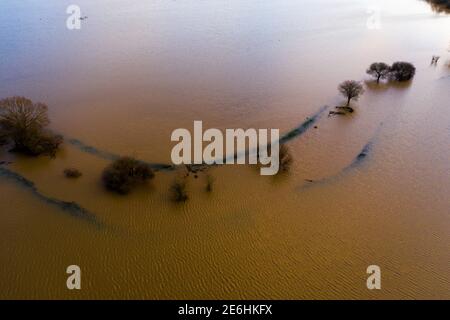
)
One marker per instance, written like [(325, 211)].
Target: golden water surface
[(137, 70)]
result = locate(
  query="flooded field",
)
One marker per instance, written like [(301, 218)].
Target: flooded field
[(369, 188)]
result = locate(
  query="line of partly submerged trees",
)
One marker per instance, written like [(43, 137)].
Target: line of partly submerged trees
[(24, 124)]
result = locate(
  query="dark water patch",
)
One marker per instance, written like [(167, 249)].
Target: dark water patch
[(72, 208)]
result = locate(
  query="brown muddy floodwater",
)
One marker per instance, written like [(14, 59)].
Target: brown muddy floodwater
[(137, 70)]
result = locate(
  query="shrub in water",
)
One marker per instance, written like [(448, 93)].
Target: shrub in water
[(209, 183), (285, 158), (72, 173), (125, 173), (178, 190)]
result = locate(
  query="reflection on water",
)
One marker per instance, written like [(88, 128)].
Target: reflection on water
[(138, 70)]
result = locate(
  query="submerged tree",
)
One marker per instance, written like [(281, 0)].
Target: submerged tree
[(125, 173), (351, 90), (379, 70), (25, 122), (402, 71), (440, 5)]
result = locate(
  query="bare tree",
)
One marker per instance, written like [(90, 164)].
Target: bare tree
[(379, 70), (20, 118), (351, 90), (24, 122)]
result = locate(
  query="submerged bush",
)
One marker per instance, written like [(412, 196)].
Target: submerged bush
[(178, 189), (402, 71), (125, 173), (285, 158), (72, 173), (209, 183), (24, 123)]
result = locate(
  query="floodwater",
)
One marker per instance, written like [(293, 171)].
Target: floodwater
[(137, 70)]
